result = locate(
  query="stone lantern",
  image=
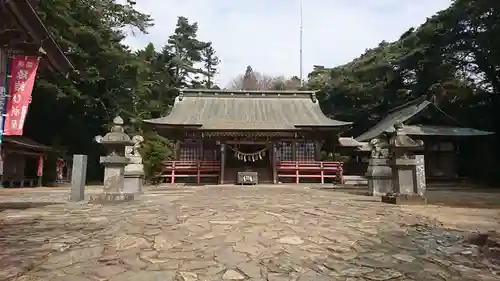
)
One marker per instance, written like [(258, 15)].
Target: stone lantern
[(405, 186), (114, 163)]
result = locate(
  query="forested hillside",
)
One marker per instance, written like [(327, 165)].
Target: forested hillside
[(453, 59)]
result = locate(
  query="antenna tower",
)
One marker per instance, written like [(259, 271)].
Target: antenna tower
[(301, 35)]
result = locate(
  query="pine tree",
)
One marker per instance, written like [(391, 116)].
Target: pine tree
[(210, 63), (187, 51), (250, 80)]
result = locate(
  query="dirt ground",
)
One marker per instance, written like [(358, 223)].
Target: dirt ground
[(471, 210), (473, 198)]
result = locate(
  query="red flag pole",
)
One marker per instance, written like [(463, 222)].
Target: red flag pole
[(4, 98)]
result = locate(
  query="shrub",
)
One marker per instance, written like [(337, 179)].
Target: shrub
[(154, 150)]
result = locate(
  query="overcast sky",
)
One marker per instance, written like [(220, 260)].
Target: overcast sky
[(265, 33)]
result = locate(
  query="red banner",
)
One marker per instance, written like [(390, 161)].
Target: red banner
[(60, 168), (39, 170), (23, 72)]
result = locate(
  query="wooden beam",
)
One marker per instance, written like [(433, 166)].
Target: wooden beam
[(259, 92), (21, 152), (273, 161)]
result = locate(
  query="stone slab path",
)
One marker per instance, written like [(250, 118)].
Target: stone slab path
[(231, 233)]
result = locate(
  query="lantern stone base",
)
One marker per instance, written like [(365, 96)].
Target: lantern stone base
[(404, 199), (379, 176), (118, 197), (132, 183)]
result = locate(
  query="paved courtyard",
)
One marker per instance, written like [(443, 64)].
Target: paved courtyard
[(233, 233)]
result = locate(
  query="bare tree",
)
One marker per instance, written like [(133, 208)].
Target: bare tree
[(253, 80), (281, 83)]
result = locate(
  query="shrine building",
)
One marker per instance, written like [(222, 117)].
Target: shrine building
[(444, 140), (228, 137)]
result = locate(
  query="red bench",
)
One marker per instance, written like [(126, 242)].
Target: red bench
[(318, 169), (191, 169)]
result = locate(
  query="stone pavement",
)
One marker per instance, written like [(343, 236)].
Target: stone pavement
[(231, 233)]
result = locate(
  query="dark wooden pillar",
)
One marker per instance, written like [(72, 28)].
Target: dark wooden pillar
[(222, 162), (41, 160), (317, 150), (333, 153), (177, 151), (294, 150), (272, 154), (201, 155)]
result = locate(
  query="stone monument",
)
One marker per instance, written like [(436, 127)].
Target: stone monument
[(114, 164), (134, 171), (379, 173), (403, 165), (78, 178)]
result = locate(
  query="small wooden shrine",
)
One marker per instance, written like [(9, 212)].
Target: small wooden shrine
[(24, 160), (423, 120), (255, 136)]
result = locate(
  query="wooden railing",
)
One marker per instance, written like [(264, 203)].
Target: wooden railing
[(191, 169), (312, 170)]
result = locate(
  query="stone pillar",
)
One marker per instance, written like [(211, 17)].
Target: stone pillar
[(78, 177), (403, 176), (419, 175), (379, 176)]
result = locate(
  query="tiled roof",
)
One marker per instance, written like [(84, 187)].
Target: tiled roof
[(246, 110)]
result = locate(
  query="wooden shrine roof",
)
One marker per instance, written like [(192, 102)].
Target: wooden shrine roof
[(26, 143), (405, 113), (246, 111), (22, 31)]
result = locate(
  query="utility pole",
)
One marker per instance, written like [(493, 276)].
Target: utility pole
[(300, 38)]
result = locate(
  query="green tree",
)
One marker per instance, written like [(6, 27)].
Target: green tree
[(72, 111), (210, 63), (112, 80), (187, 53)]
